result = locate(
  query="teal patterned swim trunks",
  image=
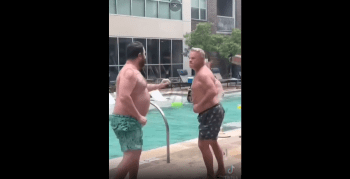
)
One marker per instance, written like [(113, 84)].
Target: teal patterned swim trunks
[(128, 130)]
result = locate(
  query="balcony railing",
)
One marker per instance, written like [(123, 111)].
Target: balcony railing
[(225, 24)]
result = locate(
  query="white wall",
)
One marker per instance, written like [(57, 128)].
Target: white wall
[(133, 26), (186, 16), (130, 26)]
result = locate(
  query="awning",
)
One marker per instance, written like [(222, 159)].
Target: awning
[(236, 60)]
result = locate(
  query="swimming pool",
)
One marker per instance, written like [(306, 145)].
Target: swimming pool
[(183, 125)]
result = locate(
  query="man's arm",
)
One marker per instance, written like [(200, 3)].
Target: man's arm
[(151, 87), (210, 92), (163, 84), (126, 87), (218, 86)]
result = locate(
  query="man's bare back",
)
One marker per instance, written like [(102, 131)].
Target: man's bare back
[(204, 90), (131, 82)]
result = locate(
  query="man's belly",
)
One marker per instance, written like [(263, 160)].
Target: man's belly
[(198, 95), (142, 103), (208, 105)]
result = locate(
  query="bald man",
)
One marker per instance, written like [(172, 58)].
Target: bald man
[(211, 113)]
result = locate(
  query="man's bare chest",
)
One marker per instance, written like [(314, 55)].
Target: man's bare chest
[(196, 86), (141, 83)]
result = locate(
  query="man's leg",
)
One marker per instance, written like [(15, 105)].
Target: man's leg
[(128, 164), (134, 168), (131, 143), (123, 167), (219, 157), (207, 157)]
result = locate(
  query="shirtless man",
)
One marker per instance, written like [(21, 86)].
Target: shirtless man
[(211, 113), (217, 82), (131, 108)]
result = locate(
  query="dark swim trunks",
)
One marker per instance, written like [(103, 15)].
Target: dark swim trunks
[(128, 130), (210, 122)]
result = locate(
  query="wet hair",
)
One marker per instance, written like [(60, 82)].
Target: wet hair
[(133, 50), (199, 50)]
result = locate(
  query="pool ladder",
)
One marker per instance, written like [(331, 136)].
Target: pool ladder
[(167, 131)]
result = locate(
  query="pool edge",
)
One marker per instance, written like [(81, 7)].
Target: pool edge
[(176, 147)]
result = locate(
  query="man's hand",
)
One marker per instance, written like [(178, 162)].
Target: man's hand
[(164, 83), (143, 121)]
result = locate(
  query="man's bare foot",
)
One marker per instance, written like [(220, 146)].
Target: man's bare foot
[(220, 173)]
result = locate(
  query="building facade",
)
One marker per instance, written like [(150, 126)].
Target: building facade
[(160, 25), (224, 15)]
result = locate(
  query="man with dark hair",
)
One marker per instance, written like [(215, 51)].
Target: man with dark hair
[(211, 113), (131, 108)]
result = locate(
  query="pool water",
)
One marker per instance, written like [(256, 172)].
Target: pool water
[(183, 125)]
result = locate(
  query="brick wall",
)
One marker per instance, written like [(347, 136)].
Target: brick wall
[(223, 64), (211, 16)]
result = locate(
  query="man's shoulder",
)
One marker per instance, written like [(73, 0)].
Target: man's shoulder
[(128, 72), (204, 74)]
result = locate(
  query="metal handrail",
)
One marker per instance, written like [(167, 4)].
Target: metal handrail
[(167, 130)]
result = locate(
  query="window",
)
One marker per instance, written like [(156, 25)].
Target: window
[(177, 51), (123, 42), (147, 8), (151, 8), (153, 71), (165, 51), (174, 70), (203, 9), (199, 9), (195, 9), (112, 7), (152, 51), (226, 16), (164, 57), (113, 51), (165, 71), (177, 15), (164, 11), (113, 73), (138, 8), (225, 8), (113, 60), (123, 7), (143, 41)]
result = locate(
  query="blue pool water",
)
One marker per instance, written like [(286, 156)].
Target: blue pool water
[(183, 125)]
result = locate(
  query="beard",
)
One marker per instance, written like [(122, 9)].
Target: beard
[(142, 63)]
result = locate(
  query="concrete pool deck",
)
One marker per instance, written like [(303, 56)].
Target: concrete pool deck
[(186, 160)]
